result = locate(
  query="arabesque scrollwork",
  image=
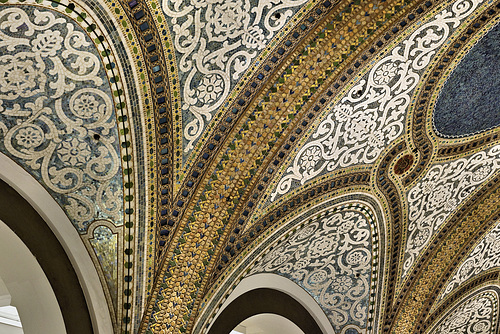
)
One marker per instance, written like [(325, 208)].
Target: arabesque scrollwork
[(56, 117)]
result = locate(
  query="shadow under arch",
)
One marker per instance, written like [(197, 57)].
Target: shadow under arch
[(22, 194), (264, 300), (275, 292), (30, 227), (32, 214)]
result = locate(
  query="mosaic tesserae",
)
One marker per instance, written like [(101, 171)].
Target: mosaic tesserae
[(179, 166)]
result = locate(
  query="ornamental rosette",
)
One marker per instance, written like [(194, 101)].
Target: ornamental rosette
[(385, 73), (20, 76), (74, 152), (86, 106), (29, 137), (210, 89), (310, 158)]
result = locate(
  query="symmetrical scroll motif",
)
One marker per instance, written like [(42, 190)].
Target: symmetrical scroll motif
[(372, 114), (476, 315), (216, 42), (331, 258), (439, 193), (56, 113), (485, 256)]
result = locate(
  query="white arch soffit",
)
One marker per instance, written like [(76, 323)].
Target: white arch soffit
[(29, 288), (282, 284), (267, 323), (63, 229)]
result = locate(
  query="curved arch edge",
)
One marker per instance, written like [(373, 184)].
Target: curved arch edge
[(273, 282), (38, 197)]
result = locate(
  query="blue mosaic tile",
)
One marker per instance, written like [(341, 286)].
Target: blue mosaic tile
[(57, 117), (469, 102)]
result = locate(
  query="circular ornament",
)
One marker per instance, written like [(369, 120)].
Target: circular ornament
[(403, 164)]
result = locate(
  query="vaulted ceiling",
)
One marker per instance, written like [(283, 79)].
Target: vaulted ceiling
[(350, 147)]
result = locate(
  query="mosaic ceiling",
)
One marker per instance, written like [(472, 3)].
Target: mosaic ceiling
[(350, 147)]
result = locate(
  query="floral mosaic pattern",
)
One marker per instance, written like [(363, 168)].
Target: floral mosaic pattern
[(439, 193), (216, 42), (56, 113), (372, 114), (485, 256), (476, 315), (331, 258)]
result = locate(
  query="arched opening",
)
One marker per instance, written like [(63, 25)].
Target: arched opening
[(25, 232), (26, 290), (264, 301), (267, 323), (32, 215)]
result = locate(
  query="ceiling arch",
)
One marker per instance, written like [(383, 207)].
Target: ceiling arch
[(236, 226), (475, 313), (60, 125), (260, 301), (77, 138), (320, 226), (24, 197), (267, 281), (65, 296), (331, 257), (229, 124)]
